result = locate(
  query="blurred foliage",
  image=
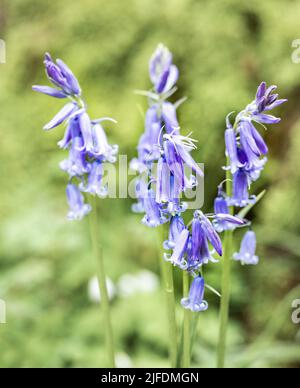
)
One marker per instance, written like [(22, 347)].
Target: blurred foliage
[(224, 49)]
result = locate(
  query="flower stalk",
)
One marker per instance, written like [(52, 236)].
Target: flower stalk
[(226, 286), (168, 281), (99, 260), (186, 324)]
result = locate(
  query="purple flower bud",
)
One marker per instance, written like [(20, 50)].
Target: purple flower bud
[(195, 301), (266, 119), (163, 73), (63, 115), (247, 254), (60, 75), (49, 91), (78, 209), (266, 101), (70, 78)]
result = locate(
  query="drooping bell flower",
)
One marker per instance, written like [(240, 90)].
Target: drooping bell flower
[(94, 183), (141, 191), (210, 233), (176, 228), (175, 204), (195, 302), (101, 149), (154, 215), (223, 220), (76, 164), (178, 258), (148, 148), (241, 196), (232, 150), (177, 153), (78, 209), (247, 254), (199, 252)]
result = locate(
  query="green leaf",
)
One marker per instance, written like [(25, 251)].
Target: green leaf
[(243, 213)]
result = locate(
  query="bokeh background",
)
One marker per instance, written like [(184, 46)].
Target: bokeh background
[(224, 49)]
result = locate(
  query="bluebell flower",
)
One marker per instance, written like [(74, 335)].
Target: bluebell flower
[(65, 113), (177, 153), (148, 147), (232, 150), (169, 117), (94, 183), (84, 138), (264, 101), (245, 147), (247, 254), (195, 302), (76, 164), (178, 258), (49, 91), (175, 204), (78, 209), (199, 252), (163, 73), (241, 184), (210, 233), (154, 215), (176, 228), (101, 149), (223, 220), (141, 191), (61, 76), (163, 182)]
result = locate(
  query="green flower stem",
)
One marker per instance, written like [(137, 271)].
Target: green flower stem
[(168, 280), (168, 286), (226, 286), (98, 254), (186, 324)]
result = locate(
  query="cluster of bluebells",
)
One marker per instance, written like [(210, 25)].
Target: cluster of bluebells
[(164, 156), (247, 153), (85, 139)]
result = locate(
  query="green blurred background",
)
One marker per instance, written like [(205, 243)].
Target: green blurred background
[(224, 49)]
